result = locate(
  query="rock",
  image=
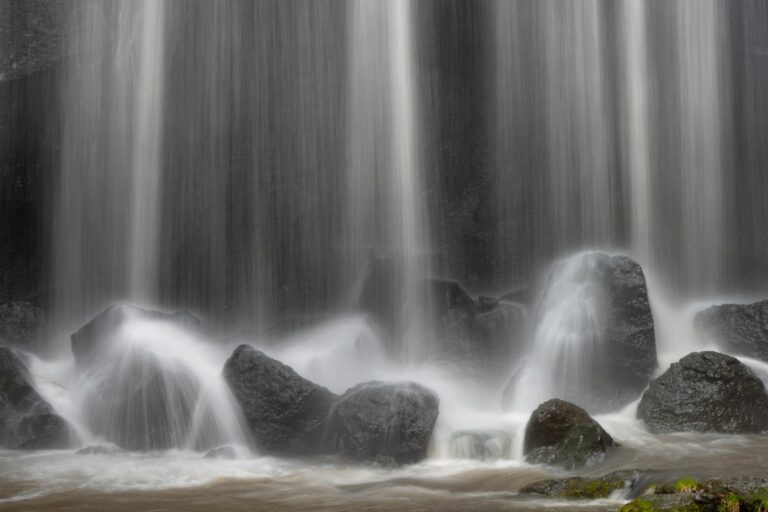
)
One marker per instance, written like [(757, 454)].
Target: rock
[(134, 399), (384, 423), (593, 335), (26, 420), (222, 452), (562, 434), (21, 324), (285, 412), (589, 488), (706, 392), (481, 444), (95, 337), (740, 329)]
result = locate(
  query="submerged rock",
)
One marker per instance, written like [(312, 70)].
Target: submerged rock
[(738, 328), (285, 412), (21, 324), (385, 423), (133, 398), (222, 452), (706, 392), (100, 449), (562, 434), (26, 420), (481, 444)]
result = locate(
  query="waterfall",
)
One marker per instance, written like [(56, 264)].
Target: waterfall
[(700, 34), (107, 207), (636, 121), (146, 151), (384, 148)]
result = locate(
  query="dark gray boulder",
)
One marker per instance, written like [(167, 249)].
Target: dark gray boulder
[(738, 328), (560, 433), (21, 324), (706, 392), (285, 412), (602, 304), (26, 420), (95, 337), (134, 399), (383, 423)]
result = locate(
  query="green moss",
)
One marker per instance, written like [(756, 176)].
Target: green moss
[(592, 489), (757, 502), (687, 485), (644, 505), (729, 503), (639, 505)]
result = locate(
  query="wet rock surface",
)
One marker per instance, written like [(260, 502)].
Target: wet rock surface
[(383, 423), (95, 337), (706, 392), (560, 433), (27, 421), (21, 324), (132, 398), (740, 329), (589, 488), (285, 412)]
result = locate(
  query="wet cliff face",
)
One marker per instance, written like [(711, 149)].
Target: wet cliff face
[(31, 38), (256, 123)]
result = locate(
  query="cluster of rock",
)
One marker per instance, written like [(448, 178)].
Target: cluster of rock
[(485, 333), (387, 423)]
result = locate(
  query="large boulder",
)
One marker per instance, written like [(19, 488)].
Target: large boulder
[(383, 423), (21, 324), (706, 392), (738, 328), (133, 397), (594, 338), (26, 420), (560, 433), (285, 412)]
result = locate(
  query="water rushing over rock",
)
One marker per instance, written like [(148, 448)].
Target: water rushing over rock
[(594, 341), (148, 382)]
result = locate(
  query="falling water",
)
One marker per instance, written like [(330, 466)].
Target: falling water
[(107, 210), (700, 35), (636, 119), (384, 148), (146, 144), (577, 117)]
